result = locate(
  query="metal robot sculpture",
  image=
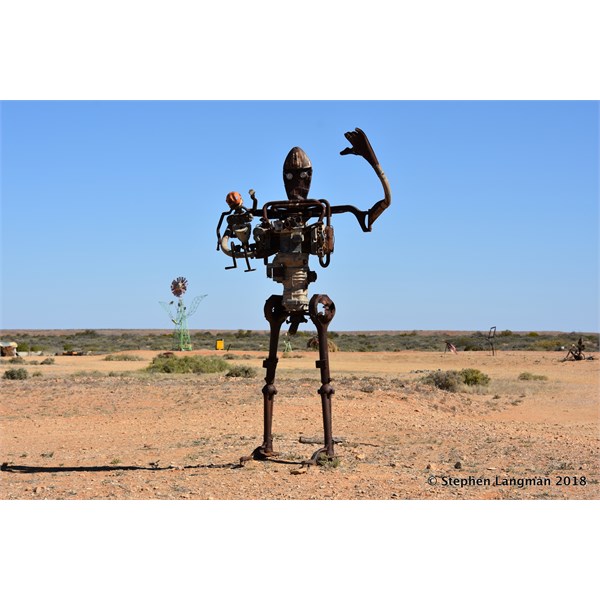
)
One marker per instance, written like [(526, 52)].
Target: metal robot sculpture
[(286, 233)]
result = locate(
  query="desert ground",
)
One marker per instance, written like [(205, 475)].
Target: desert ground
[(86, 428)]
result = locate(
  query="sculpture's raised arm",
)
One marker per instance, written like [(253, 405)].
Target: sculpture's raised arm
[(360, 145)]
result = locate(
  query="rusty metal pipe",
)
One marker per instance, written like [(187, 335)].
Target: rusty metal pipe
[(276, 315), (326, 391), (229, 252)]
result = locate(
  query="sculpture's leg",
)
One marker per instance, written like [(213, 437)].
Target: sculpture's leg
[(276, 314), (321, 321)]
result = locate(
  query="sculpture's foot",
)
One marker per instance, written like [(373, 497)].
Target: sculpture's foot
[(260, 453), (321, 456)]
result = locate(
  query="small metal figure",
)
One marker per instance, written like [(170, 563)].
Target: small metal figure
[(286, 234), (450, 347), (490, 340), (576, 352)]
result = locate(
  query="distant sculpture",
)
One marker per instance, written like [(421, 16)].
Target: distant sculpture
[(576, 351), (490, 340), (181, 335), (450, 347)]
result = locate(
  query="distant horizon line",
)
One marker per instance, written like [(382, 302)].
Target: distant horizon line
[(235, 330)]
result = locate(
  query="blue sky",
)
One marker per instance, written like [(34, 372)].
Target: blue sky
[(494, 219)]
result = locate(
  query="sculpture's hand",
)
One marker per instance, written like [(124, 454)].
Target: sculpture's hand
[(360, 146)]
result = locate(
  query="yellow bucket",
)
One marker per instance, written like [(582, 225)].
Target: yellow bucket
[(220, 345)]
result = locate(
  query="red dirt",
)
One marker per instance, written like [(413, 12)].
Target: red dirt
[(101, 435)]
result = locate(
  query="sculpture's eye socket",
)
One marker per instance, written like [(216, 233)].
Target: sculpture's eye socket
[(289, 176), (304, 175)]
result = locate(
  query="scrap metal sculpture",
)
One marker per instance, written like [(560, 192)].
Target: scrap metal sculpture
[(181, 334), (286, 234), (490, 340), (576, 351), (450, 347)]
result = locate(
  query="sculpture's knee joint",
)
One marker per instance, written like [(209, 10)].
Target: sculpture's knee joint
[(269, 390), (326, 390)]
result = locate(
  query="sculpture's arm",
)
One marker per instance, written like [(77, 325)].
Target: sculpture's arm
[(361, 146)]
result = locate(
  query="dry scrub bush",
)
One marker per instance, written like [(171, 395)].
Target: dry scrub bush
[(526, 376), (313, 344), (242, 371), (444, 380), (453, 381), (15, 374), (474, 377), (122, 357), (187, 364)]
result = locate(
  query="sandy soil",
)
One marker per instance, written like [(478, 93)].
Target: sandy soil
[(86, 429)]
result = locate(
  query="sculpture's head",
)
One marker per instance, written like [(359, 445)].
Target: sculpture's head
[(297, 173)]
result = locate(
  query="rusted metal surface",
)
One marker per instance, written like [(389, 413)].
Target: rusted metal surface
[(285, 238), (276, 315), (321, 320), (297, 174), (179, 286)]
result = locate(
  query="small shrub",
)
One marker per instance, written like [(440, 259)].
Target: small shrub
[(328, 462), (122, 357), (242, 371), (313, 344), (444, 380), (187, 364), (474, 377), (48, 361), (452, 381), (83, 373), (533, 334), (230, 356), (17, 360), (36, 374), (15, 374), (473, 347), (526, 376), (548, 345)]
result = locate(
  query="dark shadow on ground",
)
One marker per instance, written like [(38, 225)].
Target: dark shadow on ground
[(281, 461), (9, 468)]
